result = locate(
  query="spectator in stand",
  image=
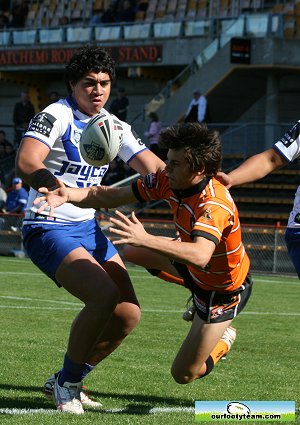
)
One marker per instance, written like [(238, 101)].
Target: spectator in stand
[(110, 14), (6, 148), (23, 112), (3, 139), (3, 197), (17, 197), (120, 104), (4, 5), (19, 14), (53, 96), (4, 22), (126, 11), (64, 21), (197, 109), (153, 133), (9, 150), (2, 152), (96, 18)]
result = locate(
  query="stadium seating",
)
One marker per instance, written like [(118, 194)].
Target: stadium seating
[(267, 202), (49, 12)]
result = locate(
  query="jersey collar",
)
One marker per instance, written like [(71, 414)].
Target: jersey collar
[(190, 191)]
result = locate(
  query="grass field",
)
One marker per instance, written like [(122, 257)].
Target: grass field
[(134, 384)]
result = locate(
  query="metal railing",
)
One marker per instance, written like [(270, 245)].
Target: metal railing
[(264, 244), (256, 25)]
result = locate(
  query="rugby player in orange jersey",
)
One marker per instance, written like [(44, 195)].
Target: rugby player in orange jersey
[(208, 258)]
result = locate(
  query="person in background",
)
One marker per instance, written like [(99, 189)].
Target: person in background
[(126, 11), (17, 197), (19, 11), (3, 139), (9, 150), (3, 198), (53, 96), (197, 109), (153, 133), (71, 248), (22, 114), (4, 21), (120, 104)]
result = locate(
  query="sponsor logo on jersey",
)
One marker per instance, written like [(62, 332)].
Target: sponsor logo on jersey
[(42, 123), (137, 138), (77, 136), (217, 313), (291, 135), (150, 180), (207, 215), (86, 175)]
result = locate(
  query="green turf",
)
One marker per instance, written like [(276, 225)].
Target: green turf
[(35, 320)]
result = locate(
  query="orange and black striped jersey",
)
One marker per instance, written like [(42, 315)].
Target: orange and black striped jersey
[(204, 210)]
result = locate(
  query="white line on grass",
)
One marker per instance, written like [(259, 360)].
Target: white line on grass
[(39, 299), (24, 273), (256, 280), (258, 313), (154, 410)]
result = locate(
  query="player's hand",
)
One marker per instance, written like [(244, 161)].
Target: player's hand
[(53, 198), (225, 179), (130, 230)]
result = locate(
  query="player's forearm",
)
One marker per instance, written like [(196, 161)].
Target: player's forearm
[(101, 196), (183, 252), (256, 167)]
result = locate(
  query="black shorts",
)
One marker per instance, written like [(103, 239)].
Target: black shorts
[(213, 306)]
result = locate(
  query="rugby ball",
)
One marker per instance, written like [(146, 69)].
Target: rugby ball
[(101, 139)]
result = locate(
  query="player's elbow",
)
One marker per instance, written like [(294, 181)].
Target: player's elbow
[(200, 261)]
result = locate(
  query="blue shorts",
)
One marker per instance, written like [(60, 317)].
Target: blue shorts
[(48, 244), (292, 240)]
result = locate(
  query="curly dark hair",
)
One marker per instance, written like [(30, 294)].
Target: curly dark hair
[(89, 59), (202, 147)]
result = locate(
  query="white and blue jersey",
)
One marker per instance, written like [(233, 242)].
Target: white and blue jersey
[(289, 147), (59, 126)]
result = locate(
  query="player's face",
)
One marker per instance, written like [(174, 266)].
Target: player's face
[(179, 172), (91, 92)]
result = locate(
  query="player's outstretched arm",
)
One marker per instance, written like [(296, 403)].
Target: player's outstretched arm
[(91, 197), (131, 231), (256, 167)]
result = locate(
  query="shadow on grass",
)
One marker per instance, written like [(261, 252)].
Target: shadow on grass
[(139, 404)]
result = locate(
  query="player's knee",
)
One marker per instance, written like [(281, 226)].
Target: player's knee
[(182, 377), (132, 318)]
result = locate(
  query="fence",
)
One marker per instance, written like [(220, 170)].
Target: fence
[(10, 235), (264, 244)]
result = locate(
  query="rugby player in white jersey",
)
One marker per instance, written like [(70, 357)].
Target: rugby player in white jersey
[(70, 248)]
